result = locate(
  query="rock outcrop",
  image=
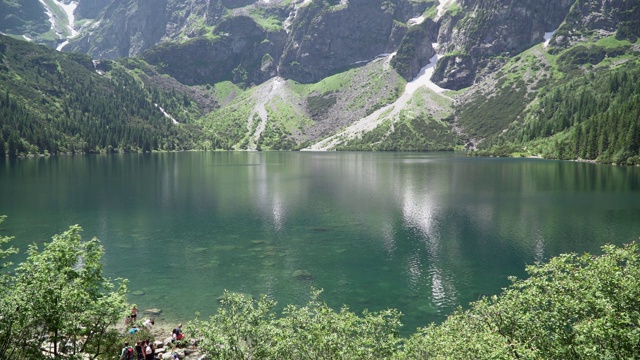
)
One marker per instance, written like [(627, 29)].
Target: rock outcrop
[(455, 71), (325, 38), (243, 52), (594, 19), (90, 9), (493, 28), (415, 50)]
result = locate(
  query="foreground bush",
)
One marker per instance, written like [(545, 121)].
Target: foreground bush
[(245, 328), (574, 307), (57, 304)]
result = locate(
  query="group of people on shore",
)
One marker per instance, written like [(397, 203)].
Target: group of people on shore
[(144, 350)]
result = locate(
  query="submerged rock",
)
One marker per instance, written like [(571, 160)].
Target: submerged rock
[(302, 275), (152, 311)]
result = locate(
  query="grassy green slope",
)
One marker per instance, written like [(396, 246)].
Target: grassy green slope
[(234, 125)]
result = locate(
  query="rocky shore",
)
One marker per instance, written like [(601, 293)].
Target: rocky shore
[(161, 332)]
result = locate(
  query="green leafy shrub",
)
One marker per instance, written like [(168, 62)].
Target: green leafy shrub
[(57, 303), (574, 307)]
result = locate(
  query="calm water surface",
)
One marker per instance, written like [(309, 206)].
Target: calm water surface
[(420, 232)]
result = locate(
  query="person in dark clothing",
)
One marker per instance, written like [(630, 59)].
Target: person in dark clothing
[(139, 353)]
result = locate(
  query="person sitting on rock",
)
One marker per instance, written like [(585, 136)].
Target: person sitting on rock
[(148, 323), (179, 334)]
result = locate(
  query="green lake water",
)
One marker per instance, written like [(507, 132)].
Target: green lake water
[(420, 232)]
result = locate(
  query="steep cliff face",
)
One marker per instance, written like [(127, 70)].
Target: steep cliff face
[(90, 9), (306, 41), (128, 27), (140, 24), (591, 19), (505, 27), (493, 28), (243, 52), (325, 38)]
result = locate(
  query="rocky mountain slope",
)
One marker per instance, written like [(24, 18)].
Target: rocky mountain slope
[(347, 74)]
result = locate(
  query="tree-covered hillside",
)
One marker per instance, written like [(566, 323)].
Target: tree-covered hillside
[(64, 103), (587, 107)]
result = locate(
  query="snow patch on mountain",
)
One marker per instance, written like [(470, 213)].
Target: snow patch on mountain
[(68, 10), (416, 21), (167, 115), (52, 19), (424, 77), (547, 38), (56, 22)]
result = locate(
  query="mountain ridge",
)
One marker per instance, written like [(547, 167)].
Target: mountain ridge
[(344, 63)]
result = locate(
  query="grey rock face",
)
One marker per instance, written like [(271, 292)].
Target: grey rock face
[(415, 50), (494, 27), (327, 38), (241, 54), (90, 9), (597, 19), (505, 26), (455, 72), (139, 25)]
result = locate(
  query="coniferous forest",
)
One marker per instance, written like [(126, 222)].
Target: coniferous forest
[(592, 117), (56, 103)]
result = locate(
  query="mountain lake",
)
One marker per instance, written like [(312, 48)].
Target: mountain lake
[(420, 232)]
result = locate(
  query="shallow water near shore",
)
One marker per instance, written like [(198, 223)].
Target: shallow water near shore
[(420, 232)]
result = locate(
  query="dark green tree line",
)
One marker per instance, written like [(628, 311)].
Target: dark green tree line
[(56, 103)]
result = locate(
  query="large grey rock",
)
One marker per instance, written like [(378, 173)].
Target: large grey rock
[(327, 38), (130, 27), (415, 50)]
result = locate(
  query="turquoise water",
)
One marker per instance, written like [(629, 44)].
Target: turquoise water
[(420, 232)]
